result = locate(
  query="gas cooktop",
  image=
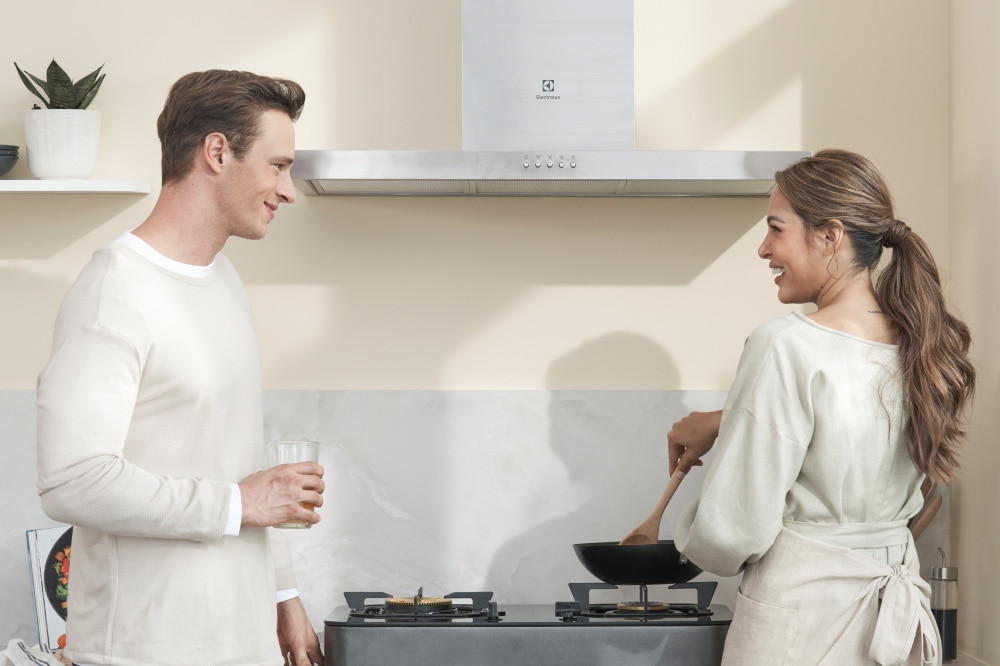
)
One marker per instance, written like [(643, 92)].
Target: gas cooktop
[(463, 628)]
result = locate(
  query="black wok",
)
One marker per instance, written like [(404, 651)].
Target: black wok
[(644, 564)]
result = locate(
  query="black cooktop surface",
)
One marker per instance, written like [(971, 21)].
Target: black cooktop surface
[(533, 615)]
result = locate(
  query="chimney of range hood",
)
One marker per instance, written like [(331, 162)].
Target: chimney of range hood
[(550, 75), (548, 109)]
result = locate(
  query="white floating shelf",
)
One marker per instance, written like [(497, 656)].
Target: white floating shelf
[(75, 186)]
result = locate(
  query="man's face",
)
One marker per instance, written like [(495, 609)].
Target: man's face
[(256, 184)]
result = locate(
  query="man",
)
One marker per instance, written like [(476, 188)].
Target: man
[(150, 421)]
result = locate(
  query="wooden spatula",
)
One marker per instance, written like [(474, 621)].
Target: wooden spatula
[(649, 530)]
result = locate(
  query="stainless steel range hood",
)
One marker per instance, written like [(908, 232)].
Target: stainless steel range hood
[(548, 109), (613, 173)]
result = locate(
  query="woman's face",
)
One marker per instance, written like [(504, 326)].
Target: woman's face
[(795, 255)]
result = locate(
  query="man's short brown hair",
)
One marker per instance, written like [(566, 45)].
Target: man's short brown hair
[(229, 102)]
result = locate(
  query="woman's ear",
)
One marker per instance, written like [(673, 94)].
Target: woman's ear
[(833, 234)]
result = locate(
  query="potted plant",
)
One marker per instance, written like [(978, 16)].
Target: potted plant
[(62, 139)]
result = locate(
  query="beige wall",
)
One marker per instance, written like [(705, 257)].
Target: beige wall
[(975, 211), (433, 293), (381, 293)]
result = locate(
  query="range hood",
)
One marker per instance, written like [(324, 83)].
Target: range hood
[(635, 173), (548, 109)]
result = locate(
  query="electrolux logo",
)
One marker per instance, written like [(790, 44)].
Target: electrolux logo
[(548, 86)]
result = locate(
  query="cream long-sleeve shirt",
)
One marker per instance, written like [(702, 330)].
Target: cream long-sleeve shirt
[(148, 411), (811, 439)]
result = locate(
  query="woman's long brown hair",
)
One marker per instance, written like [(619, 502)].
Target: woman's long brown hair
[(933, 344)]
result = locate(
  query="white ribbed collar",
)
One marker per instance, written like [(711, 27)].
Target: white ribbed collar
[(133, 242)]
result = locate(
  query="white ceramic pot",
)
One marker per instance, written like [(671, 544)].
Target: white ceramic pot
[(62, 143)]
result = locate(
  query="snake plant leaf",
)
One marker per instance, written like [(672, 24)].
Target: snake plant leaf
[(60, 89), (41, 83), (85, 90), (32, 89)]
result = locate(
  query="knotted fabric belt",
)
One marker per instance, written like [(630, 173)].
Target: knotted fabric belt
[(902, 615)]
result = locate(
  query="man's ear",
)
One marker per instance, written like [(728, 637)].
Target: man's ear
[(215, 150)]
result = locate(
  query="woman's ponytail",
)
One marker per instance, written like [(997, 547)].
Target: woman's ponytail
[(933, 351)]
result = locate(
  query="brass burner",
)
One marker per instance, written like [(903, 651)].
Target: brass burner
[(639, 607), (420, 601)]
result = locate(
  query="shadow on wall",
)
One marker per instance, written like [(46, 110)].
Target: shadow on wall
[(30, 303), (359, 241), (39, 226), (439, 274), (618, 358), (609, 442)]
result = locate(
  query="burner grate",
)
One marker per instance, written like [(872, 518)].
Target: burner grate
[(642, 610), (480, 607)]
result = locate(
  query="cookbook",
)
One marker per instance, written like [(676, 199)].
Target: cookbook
[(49, 552)]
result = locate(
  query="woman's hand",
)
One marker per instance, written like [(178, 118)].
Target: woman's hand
[(691, 438)]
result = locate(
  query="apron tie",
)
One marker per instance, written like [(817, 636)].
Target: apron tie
[(901, 616)]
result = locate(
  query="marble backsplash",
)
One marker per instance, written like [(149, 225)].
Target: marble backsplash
[(445, 490)]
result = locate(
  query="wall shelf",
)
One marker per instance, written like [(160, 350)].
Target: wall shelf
[(75, 186)]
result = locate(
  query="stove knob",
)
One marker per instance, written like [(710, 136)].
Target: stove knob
[(568, 611), (492, 615)]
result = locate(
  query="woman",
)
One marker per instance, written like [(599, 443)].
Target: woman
[(832, 423)]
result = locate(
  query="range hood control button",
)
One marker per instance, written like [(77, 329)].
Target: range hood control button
[(549, 165)]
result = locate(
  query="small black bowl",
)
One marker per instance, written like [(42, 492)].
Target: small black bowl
[(7, 163)]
